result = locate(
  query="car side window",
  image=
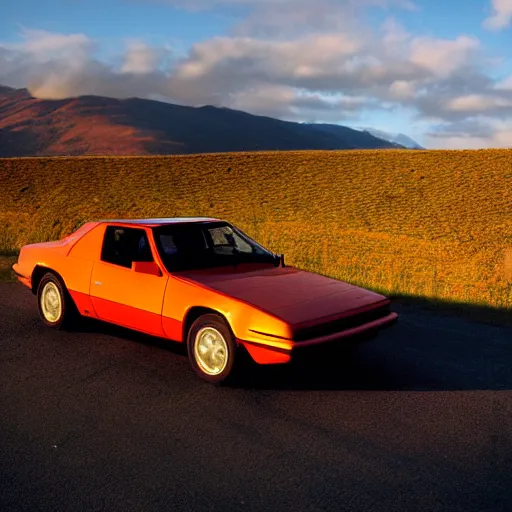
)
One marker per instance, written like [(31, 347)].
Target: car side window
[(122, 246)]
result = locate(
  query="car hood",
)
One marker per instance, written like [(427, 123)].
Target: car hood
[(293, 295)]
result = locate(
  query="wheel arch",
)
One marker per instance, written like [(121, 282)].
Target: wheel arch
[(197, 311), (38, 273)]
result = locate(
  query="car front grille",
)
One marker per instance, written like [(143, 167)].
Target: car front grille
[(343, 324)]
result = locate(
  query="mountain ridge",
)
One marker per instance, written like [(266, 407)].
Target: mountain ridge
[(397, 138), (100, 125)]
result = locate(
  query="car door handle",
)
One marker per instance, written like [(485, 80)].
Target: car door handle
[(98, 283)]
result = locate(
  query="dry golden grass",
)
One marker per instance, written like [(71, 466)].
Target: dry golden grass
[(6, 273), (427, 223)]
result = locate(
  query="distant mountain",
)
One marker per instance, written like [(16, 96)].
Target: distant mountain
[(398, 138), (95, 125), (357, 137)]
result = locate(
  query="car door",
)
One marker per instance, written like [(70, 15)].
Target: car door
[(124, 296)]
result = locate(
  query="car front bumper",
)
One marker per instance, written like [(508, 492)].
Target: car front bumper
[(266, 353), (349, 333)]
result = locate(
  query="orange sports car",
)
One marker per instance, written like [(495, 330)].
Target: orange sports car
[(200, 281)]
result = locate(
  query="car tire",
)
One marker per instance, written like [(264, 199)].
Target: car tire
[(56, 307), (212, 349)]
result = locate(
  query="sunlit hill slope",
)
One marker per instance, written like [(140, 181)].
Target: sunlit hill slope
[(427, 223)]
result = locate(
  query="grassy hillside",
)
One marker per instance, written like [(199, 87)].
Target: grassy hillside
[(428, 223)]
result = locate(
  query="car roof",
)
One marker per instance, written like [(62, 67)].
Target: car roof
[(161, 221)]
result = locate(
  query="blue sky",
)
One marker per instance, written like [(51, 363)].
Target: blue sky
[(438, 71), (112, 21)]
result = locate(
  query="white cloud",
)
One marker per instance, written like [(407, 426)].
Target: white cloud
[(474, 103), (483, 132), (309, 56), (142, 58), (43, 45), (504, 85), (402, 89), (212, 4), (291, 104), (394, 32), (442, 56), (501, 16), (57, 66)]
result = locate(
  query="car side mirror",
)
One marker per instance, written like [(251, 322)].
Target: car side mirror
[(146, 267)]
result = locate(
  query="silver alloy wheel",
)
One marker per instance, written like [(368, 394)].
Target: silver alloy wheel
[(51, 302), (210, 351)]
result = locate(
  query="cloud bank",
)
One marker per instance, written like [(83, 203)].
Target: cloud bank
[(501, 16), (300, 60)]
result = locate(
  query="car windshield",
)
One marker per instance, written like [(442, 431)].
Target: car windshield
[(194, 246)]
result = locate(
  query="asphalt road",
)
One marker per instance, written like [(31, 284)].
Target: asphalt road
[(420, 419)]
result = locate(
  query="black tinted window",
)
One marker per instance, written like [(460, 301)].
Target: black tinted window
[(196, 246), (122, 246)]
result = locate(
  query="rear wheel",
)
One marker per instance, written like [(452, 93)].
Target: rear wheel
[(212, 348), (56, 307)]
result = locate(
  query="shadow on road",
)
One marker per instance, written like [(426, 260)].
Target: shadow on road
[(96, 326), (424, 351), (483, 314), (369, 371)]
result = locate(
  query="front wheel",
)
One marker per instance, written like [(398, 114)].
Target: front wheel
[(211, 348)]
